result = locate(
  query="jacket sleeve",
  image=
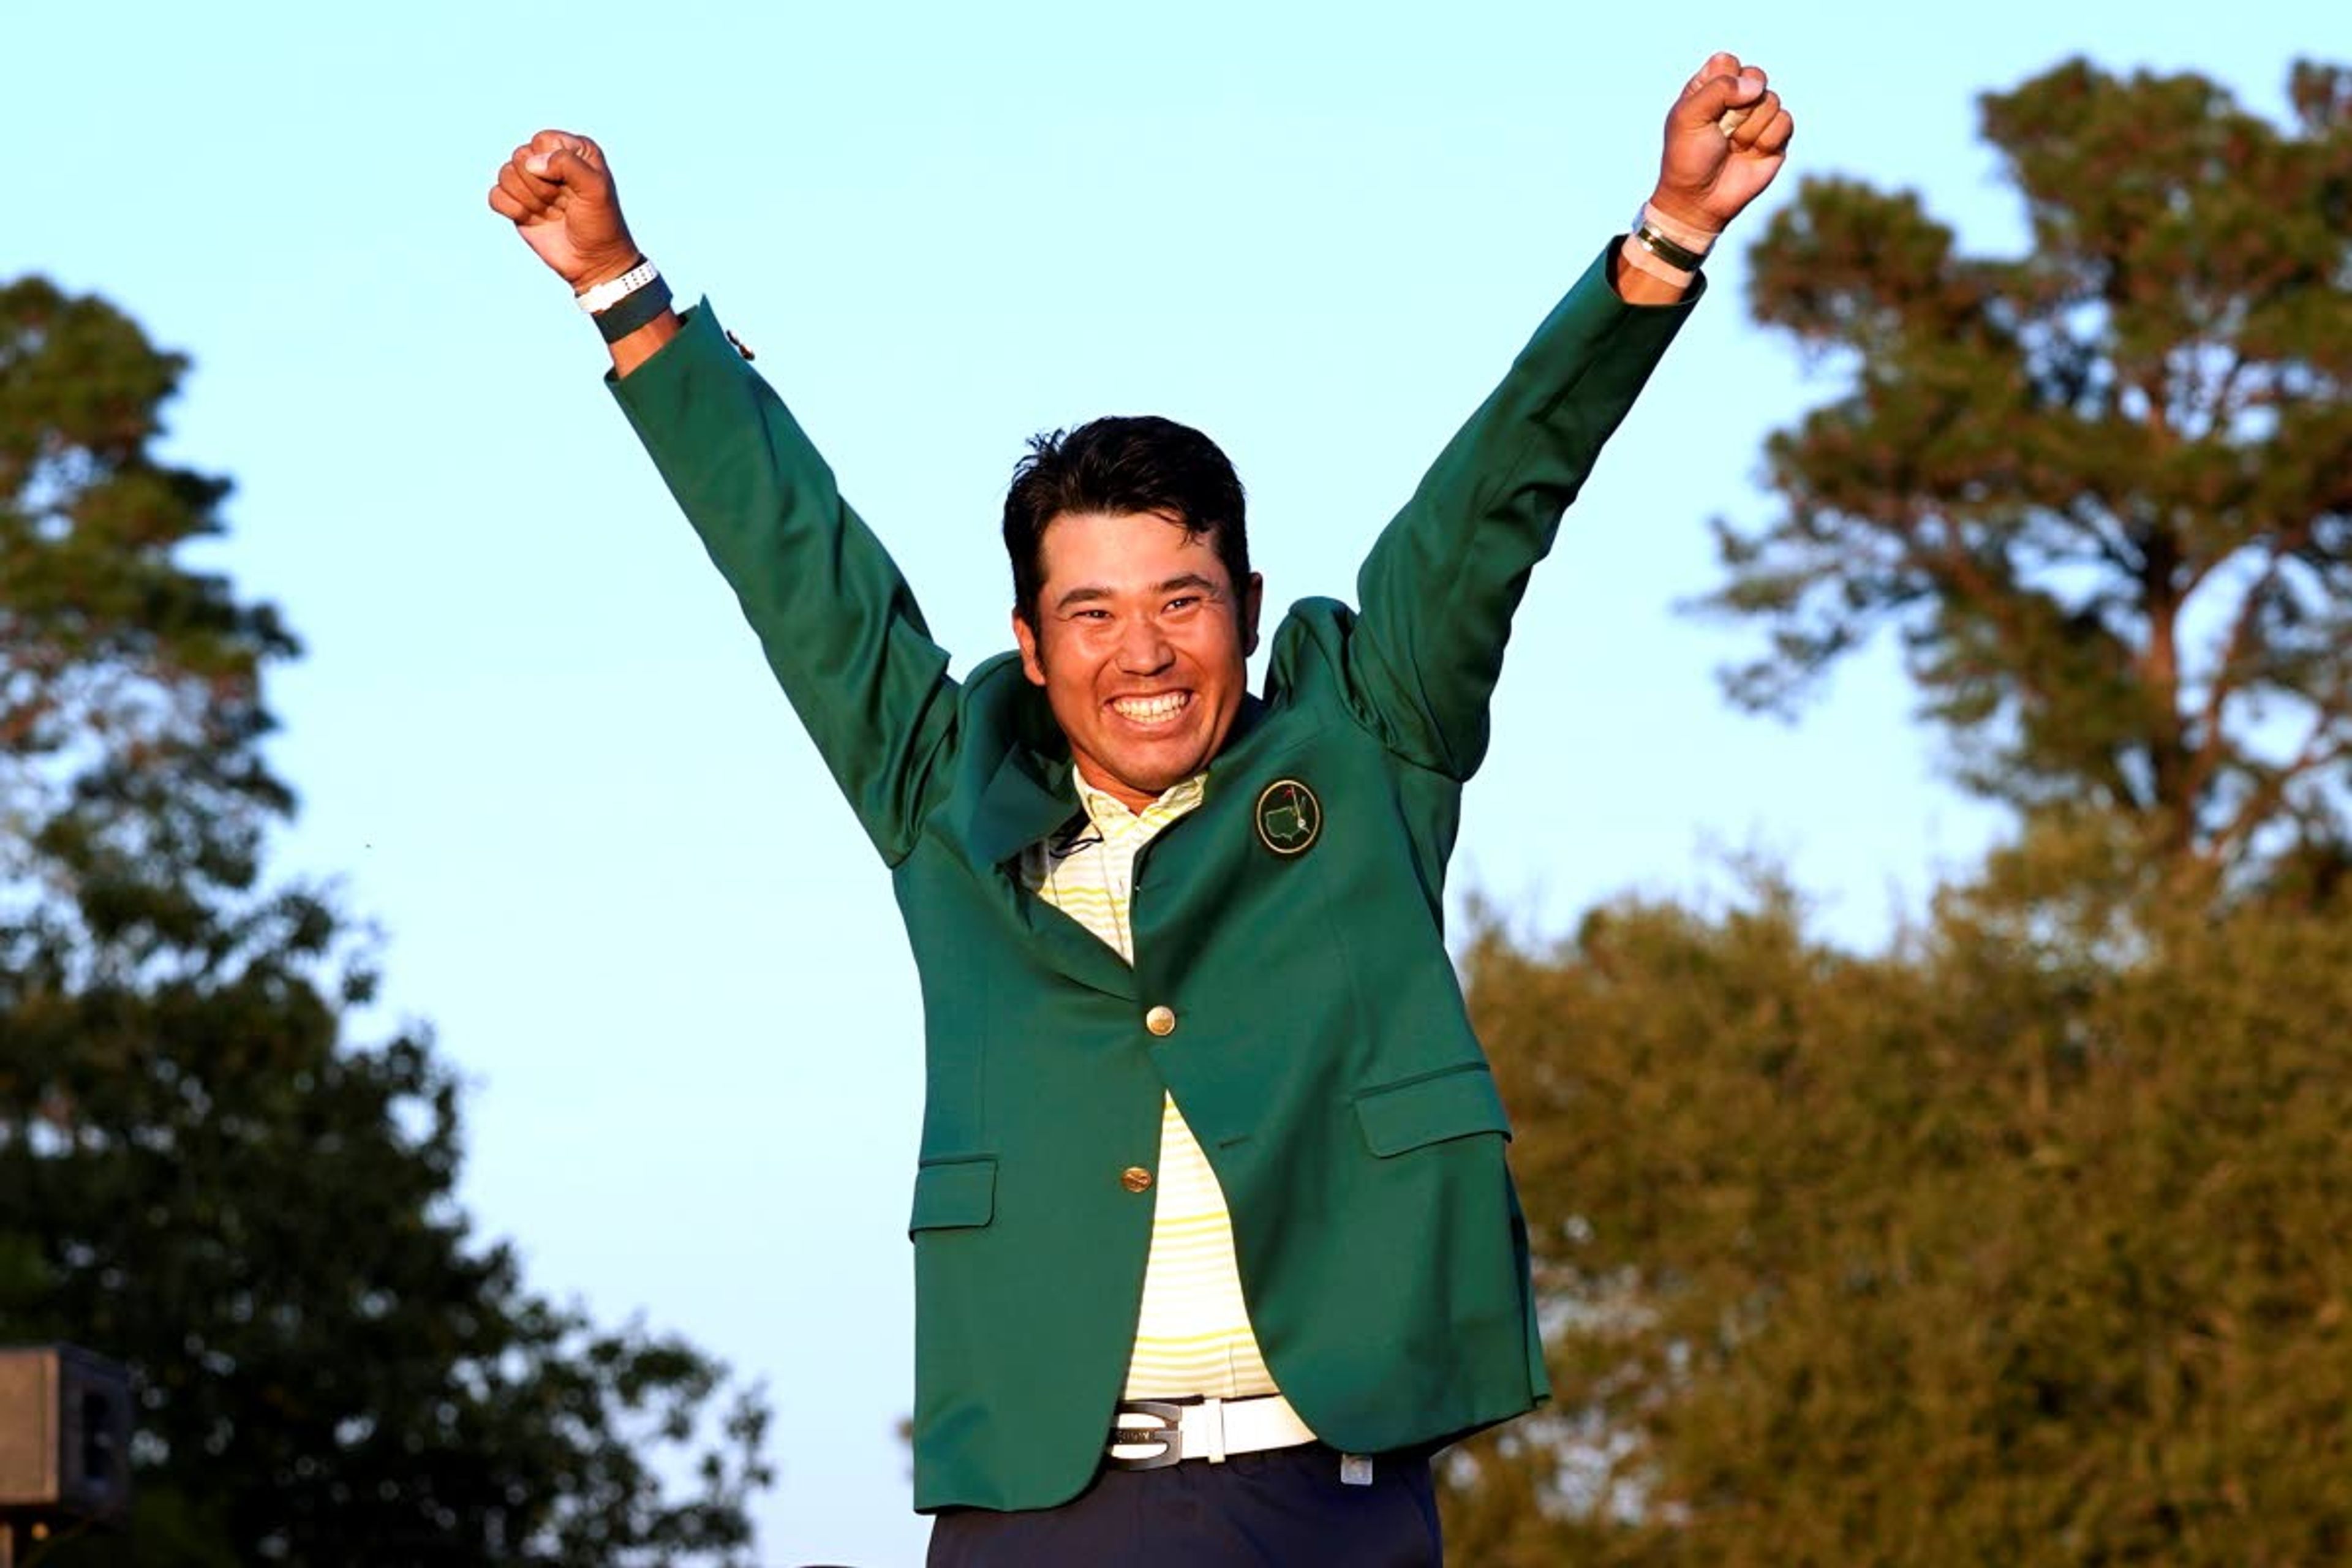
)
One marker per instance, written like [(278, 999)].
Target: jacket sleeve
[(837, 622), (1438, 590)]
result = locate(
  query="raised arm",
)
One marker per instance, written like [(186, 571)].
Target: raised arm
[(838, 625), (561, 199), (1439, 588)]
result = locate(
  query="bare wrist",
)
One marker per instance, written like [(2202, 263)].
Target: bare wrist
[(1681, 209)]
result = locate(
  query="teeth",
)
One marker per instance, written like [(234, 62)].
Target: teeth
[(1148, 708)]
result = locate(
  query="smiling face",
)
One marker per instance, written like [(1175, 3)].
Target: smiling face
[(1140, 643)]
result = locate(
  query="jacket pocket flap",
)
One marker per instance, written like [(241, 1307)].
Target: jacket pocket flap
[(954, 1194), (1454, 1103)]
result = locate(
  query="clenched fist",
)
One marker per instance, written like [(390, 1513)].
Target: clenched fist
[(560, 195), (1727, 137)]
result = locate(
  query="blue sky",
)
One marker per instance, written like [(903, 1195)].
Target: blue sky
[(539, 750)]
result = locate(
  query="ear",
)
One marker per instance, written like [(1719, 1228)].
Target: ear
[(1033, 660), (1252, 599)]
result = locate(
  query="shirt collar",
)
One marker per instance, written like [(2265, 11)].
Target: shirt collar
[(1108, 812)]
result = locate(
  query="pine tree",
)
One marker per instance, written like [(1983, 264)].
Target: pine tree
[(202, 1172)]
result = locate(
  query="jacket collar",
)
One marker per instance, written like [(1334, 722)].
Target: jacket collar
[(1028, 797)]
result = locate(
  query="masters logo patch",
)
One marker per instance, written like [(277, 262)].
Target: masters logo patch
[(1289, 818)]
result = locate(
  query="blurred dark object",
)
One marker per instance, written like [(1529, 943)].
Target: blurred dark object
[(64, 1440)]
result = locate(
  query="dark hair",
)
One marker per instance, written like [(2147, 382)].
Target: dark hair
[(1124, 464)]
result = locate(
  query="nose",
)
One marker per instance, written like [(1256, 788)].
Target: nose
[(1142, 648)]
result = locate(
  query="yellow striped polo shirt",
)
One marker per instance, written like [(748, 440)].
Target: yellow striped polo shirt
[(1193, 1334)]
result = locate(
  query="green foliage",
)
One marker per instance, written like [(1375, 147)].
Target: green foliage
[(1978, 1252), (199, 1172), (129, 685), (2103, 492), (2023, 1242)]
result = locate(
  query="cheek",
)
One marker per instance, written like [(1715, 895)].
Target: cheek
[(1066, 667), (1216, 651), (1049, 653)]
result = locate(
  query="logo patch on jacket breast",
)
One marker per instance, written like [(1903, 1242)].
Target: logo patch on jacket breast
[(1289, 818)]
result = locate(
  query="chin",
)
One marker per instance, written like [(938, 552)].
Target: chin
[(1159, 769), (1157, 780)]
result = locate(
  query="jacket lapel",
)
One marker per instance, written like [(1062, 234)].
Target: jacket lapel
[(1027, 798)]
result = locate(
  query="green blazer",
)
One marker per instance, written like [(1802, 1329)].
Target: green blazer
[(1293, 925)]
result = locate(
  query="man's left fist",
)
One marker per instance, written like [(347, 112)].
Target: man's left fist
[(1727, 137)]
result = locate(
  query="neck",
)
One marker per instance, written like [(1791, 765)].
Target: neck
[(1135, 800)]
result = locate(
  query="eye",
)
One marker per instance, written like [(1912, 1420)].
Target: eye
[(1188, 602)]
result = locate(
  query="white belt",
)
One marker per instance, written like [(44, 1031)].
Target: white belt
[(1147, 1434)]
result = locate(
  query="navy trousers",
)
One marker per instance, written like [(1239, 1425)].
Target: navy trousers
[(1283, 1508)]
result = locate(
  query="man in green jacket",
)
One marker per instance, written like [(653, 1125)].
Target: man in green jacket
[(1214, 1242)]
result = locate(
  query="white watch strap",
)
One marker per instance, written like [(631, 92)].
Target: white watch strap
[(613, 290)]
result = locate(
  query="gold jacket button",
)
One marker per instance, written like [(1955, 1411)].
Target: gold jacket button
[(1160, 1020), (1135, 1179)]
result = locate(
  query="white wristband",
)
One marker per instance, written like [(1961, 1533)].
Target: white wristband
[(613, 290), (1689, 237)]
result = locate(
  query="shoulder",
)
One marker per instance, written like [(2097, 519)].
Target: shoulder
[(1000, 710), (998, 696), (1309, 647)]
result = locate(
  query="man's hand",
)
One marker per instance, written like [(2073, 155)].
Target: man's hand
[(1706, 174), (560, 196)]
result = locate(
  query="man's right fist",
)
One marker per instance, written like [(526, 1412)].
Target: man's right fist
[(560, 196)]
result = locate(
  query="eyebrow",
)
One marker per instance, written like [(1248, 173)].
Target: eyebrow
[(1182, 579)]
